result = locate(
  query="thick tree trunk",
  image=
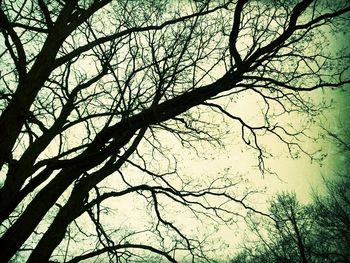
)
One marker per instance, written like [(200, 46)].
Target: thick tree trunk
[(11, 194), (56, 232), (18, 233), (10, 200), (74, 206)]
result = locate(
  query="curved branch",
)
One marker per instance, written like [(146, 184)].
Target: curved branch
[(122, 246)]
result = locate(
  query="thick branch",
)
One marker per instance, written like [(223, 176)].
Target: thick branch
[(235, 31), (122, 246)]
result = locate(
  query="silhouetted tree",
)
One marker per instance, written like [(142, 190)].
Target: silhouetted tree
[(318, 232), (285, 236), (332, 210), (91, 91)]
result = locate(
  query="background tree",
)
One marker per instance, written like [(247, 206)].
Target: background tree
[(92, 91), (332, 210), (286, 236), (317, 232)]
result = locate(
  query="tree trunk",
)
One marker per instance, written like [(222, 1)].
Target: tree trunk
[(56, 232), (18, 233)]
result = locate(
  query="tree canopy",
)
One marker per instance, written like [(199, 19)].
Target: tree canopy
[(92, 90)]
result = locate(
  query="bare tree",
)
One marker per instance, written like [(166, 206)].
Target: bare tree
[(317, 232), (90, 89), (332, 210), (284, 236)]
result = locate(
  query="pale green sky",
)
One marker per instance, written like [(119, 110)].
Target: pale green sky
[(299, 175)]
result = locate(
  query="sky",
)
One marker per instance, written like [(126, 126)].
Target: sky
[(302, 175)]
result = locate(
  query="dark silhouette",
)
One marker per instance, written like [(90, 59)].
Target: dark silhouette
[(89, 88)]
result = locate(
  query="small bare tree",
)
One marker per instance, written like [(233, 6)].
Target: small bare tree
[(286, 236), (312, 233)]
